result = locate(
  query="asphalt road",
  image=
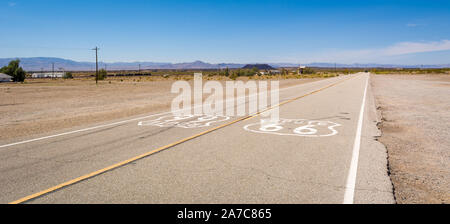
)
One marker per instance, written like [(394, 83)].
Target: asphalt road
[(335, 160)]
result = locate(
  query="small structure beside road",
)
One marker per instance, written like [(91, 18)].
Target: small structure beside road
[(301, 69), (48, 75), (5, 78), (270, 72)]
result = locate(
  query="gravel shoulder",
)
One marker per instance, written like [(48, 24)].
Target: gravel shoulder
[(415, 129)]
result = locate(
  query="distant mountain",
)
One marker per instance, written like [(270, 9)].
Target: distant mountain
[(357, 65), (36, 64), (45, 63), (258, 66), (194, 65)]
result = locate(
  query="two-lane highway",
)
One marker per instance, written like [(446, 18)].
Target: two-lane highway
[(322, 151)]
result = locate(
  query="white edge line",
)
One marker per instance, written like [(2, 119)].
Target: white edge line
[(121, 122), (351, 178)]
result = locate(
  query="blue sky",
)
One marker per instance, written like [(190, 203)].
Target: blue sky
[(406, 32)]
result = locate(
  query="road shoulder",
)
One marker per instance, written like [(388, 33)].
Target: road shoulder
[(373, 182), (415, 118)]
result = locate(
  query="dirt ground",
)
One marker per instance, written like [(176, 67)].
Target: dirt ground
[(416, 131), (46, 105)]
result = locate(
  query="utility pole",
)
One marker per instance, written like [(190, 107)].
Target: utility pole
[(96, 64), (139, 71), (53, 69)]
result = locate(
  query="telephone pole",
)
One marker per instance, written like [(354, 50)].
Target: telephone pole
[(96, 64)]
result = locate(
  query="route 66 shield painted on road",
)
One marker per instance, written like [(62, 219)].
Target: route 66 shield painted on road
[(188, 121), (295, 127)]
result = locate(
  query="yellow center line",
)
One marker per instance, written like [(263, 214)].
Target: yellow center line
[(123, 163)]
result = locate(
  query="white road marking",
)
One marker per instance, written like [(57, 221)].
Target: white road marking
[(301, 128), (126, 121), (351, 178), (188, 121), (80, 130)]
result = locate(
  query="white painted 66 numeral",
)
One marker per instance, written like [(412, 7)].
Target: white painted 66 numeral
[(290, 127), (306, 130), (270, 127)]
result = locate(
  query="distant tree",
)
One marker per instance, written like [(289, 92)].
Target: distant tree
[(346, 71), (14, 70), (308, 71), (255, 70), (102, 74), (227, 72), (234, 74), (68, 75)]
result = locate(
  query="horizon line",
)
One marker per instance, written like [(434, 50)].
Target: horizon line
[(239, 63)]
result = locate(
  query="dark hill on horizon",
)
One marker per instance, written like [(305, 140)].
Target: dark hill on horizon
[(258, 66)]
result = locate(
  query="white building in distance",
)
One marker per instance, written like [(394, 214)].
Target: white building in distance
[(5, 78), (48, 75), (268, 72)]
